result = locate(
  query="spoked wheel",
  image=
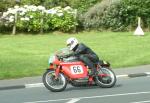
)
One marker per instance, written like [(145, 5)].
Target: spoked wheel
[(52, 83), (106, 78)]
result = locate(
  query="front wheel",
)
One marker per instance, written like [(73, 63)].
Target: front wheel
[(53, 84), (106, 78)]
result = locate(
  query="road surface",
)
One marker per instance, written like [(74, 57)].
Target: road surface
[(126, 90)]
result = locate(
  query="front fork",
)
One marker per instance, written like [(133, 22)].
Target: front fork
[(102, 74), (57, 70)]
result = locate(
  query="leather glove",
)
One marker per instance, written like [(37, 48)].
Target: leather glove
[(66, 56)]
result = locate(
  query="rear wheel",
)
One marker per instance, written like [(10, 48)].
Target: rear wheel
[(106, 78), (52, 83)]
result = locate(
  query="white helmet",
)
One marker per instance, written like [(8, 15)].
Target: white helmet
[(72, 42)]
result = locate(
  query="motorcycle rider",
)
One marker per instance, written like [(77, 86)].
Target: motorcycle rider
[(84, 53)]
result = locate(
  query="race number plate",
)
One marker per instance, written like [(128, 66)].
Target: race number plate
[(77, 69)]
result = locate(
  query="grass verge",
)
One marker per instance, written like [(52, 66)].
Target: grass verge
[(27, 55)]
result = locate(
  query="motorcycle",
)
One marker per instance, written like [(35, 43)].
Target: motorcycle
[(62, 71)]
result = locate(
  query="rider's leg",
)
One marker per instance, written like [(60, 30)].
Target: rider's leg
[(89, 63)]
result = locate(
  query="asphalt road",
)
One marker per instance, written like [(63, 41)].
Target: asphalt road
[(126, 90)]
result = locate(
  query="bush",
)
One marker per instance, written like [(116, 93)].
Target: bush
[(123, 15), (31, 2), (4, 4), (92, 18), (80, 5), (120, 15), (66, 23), (83, 5), (116, 18), (34, 18), (64, 20), (139, 8)]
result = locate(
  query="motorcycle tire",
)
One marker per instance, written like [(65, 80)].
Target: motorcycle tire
[(52, 84), (106, 82)]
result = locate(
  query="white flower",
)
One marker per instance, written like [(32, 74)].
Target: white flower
[(5, 14), (11, 19), (31, 16), (12, 11), (26, 6), (22, 19), (74, 12), (31, 8), (59, 11), (67, 8), (26, 18), (22, 13), (57, 8), (6, 24), (51, 11), (16, 7), (42, 8), (9, 9), (60, 14), (21, 9)]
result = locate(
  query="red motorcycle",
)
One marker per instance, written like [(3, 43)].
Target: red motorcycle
[(70, 70)]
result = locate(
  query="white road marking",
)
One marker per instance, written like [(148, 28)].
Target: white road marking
[(34, 85), (73, 100), (49, 100), (142, 102), (41, 84), (119, 76), (102, 96), (148, 73)]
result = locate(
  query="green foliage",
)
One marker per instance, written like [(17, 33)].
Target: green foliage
[(37, 18), (54, 3), (119, 15), (31, 22), (139, 8), (116, 18), (65, 23), (123, 15), (93, 17), (31, 2), (83, 5), (4, 4)]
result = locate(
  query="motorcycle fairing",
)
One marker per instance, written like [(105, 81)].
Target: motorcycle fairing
[(74, 70)]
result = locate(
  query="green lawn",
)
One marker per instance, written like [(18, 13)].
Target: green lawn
[(27, 55)]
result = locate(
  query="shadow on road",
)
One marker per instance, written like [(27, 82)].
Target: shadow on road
[(71, 88)]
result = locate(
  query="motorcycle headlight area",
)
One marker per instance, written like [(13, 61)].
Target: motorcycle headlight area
[(51, 59)]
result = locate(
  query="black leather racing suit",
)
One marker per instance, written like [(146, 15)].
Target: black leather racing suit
[(86, 55)]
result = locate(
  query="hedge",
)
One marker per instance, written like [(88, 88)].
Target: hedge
[(32, 18)]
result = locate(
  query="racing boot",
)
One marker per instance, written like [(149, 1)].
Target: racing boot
[(93, 72)]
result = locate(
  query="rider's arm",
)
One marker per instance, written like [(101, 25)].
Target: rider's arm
[(81, 49)]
